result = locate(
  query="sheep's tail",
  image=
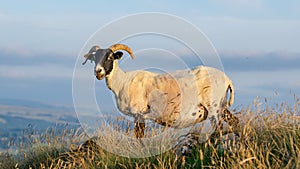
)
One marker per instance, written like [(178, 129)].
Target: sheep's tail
[(231, 97)]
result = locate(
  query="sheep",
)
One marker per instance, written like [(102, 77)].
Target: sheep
[(179, 99)]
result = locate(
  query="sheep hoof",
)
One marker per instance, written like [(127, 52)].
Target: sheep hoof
[(185, 145)]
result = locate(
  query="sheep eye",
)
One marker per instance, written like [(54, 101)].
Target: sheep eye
[(110, 58)]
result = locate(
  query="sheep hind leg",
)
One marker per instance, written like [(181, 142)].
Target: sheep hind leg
[(189, 141), (185, 145), (196, 136), (231, 120), (226, 138)]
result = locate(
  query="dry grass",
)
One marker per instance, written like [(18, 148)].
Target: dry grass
[(269, 138)]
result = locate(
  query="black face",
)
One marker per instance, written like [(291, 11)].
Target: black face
[(104, 62)]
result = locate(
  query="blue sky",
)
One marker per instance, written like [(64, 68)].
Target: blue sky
[(258, 42)]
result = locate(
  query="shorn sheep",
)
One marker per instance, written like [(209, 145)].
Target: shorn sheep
[(179, 99)]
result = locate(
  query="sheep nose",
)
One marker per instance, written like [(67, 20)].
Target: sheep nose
[(99, 70)]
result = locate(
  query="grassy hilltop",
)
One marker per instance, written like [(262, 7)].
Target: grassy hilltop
[(270, 138)]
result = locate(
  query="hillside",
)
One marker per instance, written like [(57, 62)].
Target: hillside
[(269, 138), (17, 116)]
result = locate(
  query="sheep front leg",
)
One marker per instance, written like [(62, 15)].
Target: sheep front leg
[(139, 121), (199, 133), (139, 127)]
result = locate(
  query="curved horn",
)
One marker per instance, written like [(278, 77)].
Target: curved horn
[(116, 47)]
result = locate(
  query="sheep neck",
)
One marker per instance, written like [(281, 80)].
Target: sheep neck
[(115, 79)]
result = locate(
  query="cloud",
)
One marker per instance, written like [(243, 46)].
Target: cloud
[(16, 55), (48, 31), (16, 51), (280, 85), (260, 61), (36, 71), (287, 78), (19, 63)]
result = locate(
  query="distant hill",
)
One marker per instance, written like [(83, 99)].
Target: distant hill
[(31, 104), (16, 115)]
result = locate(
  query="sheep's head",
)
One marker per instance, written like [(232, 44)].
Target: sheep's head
[(104, 58)]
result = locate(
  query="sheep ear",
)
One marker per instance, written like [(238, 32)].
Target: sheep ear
[(90, 57), (118, 55)]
